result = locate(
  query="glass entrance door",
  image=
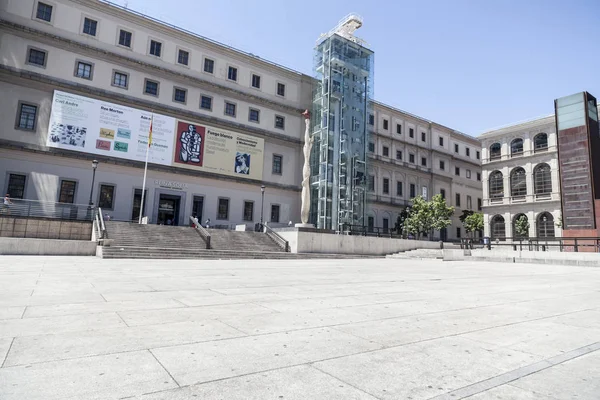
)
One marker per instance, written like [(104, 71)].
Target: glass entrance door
[(168, 210)]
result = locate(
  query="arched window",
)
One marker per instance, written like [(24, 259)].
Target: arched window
[(545, 225), (540, 142), (495, 151), (516, 234), (496, 186), (516, 147), (542, 180), (518, 183), (498, 228)]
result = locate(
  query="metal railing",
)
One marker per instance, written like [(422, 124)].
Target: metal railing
[(284, 244), (563, 244), (202, 231), (362, 230), (45, 209)]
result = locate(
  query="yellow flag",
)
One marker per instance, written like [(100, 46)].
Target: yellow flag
[(150, 134)]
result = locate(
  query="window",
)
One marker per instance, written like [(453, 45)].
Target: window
[(371, 147), (206, 102), (399, 129), (209, 65), (441, 140), (479, 176), (516, 147), (120, 79), (398, 154), (411, 132), (545, 225), (106, 197), (16, 186), (67, 192), (398, 188), (423, 137), (274, 212), (443, 193), (155, 48), (179, 95), (255, 81), (371, 183), (385, 124), (458, 232), (514, 226), (542, 180), (457, 199), (277, 164), (495, 151), (518, 183), (183, 57), (498, 227), (469, 203), (125, 38), (83, 70), (371, 119), (370, 223), (229, 109), (279, 122), (90, 26), (413, 191), (386, 225), (44, 12), (540, 142), (386, 151), (455, 147), (280, 89), (442, 165), (27, 117), (467, 152), (386, 186), (457, 171), (411, 158), (477, 155), (496, 185), (223, 209), (423, 161), (232, 73), (248, 211), (468, 174), (37, 57), (479, 204), (254, 115), (151, 87)]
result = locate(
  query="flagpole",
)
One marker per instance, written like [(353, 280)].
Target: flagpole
[(146, 170)]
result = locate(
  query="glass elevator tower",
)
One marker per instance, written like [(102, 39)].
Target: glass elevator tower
[(343, 68)]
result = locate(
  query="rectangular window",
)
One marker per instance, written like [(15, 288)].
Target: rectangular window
[(469, 202), (183, 57), (372, 147), (232, 73), (279, 122), (385, 124), (458, 232), (399, 129), (477, 155), (275, 213), (423, 161), (443, 193), (107, 193), (179, 95), (277, 164), (455, 148), (467, 151), (67, 192), (280, 89), (479, 176), (206, 103), (27, 117), (423, 137), (44, 12), (386, 151), (198, 207), (442, 165), (441, 139), (16, 186), (125, 38), (457, 199), (120, 79), (411, 158), (478, 204), (371, 119), (254, 115), (83, 70), (151, 87), (386, 225), (398, 188), (229, 109), (90, 26), (248, 211), (223, 211), (457, 171), (371, 183), (155, 48), (468, 174), (37, 57), (398, 154), (255, 81), (209, 65), (411, 132), (413, 191), (370, 223), (386, 186)]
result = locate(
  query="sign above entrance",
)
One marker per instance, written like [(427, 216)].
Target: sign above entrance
[(171, 184)]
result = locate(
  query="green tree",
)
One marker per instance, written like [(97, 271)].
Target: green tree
[(522, 226), (473, 223), (464, 215), (420, 219), (401, 221), (441, 213)]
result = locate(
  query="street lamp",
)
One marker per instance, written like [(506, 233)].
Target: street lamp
[(262, 203), (94, 166)]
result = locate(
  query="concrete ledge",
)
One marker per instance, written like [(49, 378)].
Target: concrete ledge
[(528, 257), (46, 247)]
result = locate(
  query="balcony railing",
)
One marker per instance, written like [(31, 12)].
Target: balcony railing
[(530, 198), (563, 244), (44, 209), (520, 154)]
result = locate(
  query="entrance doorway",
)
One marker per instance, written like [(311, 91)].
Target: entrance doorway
[(168, 209), (198, 207)]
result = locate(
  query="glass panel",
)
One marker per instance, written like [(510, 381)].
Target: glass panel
[(27, 117), (542, 179), (275, 213), (518, 183), (498, 228), (248, 211), (495, 150), (67, 192), (223, 209), (106, 196), (516, 146), (16, 186), (545, 225), (496, 188)]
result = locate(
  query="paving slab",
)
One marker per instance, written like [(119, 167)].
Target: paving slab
[(48, 325), (11, 312)]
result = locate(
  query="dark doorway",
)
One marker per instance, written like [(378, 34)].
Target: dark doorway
[(168, 210), (444, 235), (198, 207), (137, 202)]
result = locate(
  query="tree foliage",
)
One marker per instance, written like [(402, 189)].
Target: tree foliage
[(441, 212), (464, 215), (522, 226), (473, 222), (401, 221), (426, 216)]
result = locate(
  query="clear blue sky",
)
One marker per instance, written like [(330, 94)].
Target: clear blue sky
[(471, 65)]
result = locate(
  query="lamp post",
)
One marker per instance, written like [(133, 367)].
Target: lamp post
[(94, 166)]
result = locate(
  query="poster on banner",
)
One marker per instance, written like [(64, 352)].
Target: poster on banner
[(218, 150), (94, 126)]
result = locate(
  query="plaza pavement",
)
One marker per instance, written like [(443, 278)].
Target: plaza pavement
[(86, 328)]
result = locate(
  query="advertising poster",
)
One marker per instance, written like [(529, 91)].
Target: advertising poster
[(218, 150), (88, 125)]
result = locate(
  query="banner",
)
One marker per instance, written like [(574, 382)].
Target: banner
[(94, 126), (218, 150)]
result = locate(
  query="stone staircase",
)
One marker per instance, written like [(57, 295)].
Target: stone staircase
[(419, 254)]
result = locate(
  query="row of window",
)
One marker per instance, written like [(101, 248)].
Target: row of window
[(544, 226), (540, 143), (542, 183), (125, 39)]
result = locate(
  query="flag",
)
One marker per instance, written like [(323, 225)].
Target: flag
[(150, 134)]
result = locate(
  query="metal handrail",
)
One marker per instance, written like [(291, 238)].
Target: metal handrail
[(47, 209), (202, 231), (284, 244), (545, 243), (102, 226), (97, 227)]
